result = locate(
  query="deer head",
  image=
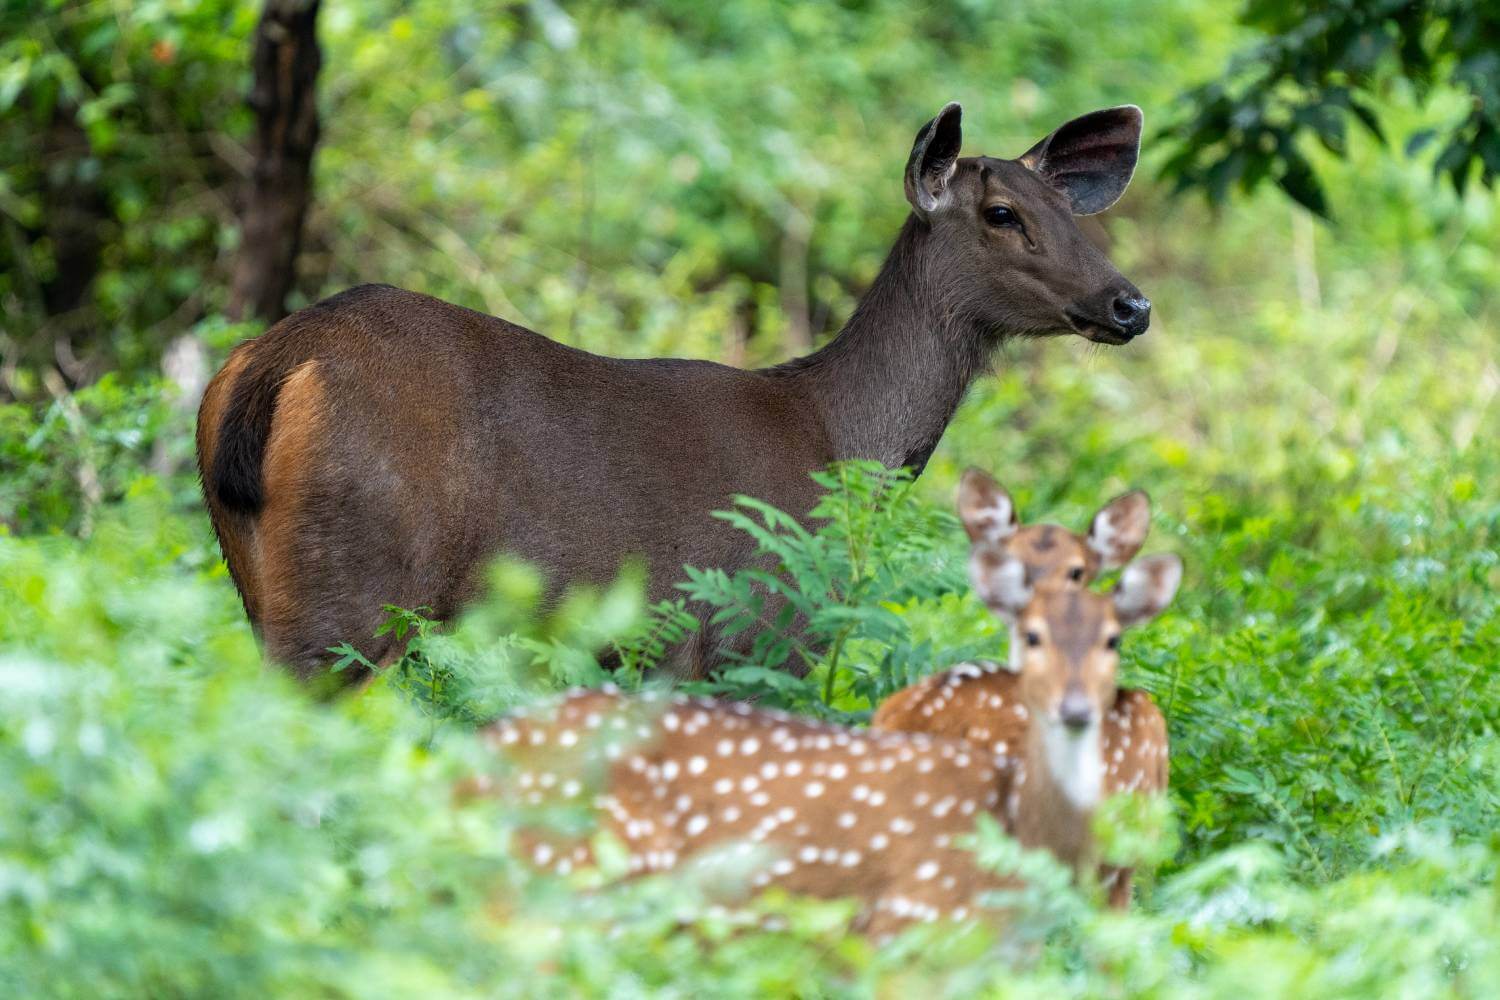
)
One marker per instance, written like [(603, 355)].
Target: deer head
[(1067, 655), (1052, 555), (1012, 256)]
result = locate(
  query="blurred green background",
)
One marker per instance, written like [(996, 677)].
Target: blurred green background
[(1313, 413)]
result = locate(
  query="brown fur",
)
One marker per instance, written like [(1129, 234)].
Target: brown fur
[(291, 475), (983, 705), (872, 815), (445, 437), (1050, 553), (837, 812), (994, 707), (235, 532)]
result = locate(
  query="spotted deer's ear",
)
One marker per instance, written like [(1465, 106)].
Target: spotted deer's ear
[(1145, 588), (987, 511), (1000, 581), (1119, 529)]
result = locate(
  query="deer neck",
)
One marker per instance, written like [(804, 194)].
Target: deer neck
[(888, 384), (1057, 789)]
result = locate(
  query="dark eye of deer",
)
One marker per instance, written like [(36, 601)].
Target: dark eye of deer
[(1032, 639), (1075, 574), (1001, 215), (1113, 642)]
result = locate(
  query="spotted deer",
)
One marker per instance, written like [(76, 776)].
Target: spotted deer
[(1050, 553), (876, 816), (993, 707)]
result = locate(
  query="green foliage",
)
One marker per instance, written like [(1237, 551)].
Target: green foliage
[(1313, 414), (582, 168), (58, 464), (184, 822), (1322, 67), (120, 154), (838, 617), (1343, 688)]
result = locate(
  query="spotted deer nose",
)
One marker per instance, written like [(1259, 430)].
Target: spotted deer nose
[(1132, 312), (1075, 711)]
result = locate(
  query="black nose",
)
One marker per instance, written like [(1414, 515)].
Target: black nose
[(1132, 312), (1075, 712)]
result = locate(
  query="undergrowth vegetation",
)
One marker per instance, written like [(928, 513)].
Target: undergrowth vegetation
[(1314, 414), (185, 822)]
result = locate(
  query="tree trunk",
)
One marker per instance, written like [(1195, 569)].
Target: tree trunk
[(75, 211), (284, 98)]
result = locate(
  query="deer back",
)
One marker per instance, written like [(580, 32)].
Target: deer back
[(838, 812)]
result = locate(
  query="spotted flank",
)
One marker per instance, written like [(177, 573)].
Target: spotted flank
[(878, 815), (837, 812)]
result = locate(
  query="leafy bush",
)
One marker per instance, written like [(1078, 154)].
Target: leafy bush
[(60, 463), (184, 822), (859, 608), (1319, 695), (1313, 414)]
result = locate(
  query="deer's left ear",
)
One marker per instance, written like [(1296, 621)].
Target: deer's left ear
[(1146, 586), (934, 159), (1119, 530), (1092, 158), (987, 511)]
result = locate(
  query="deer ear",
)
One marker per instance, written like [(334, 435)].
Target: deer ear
[(934, 158), (1146, 586), (1119, 529), (1091, 158), (985, 508), (1000, 581)]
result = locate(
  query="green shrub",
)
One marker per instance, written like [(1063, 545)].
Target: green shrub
[(1313, 413)]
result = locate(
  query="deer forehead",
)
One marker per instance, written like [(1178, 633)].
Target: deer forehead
[(1073, 621), (1008, 180), (1048, 553), (1047, 546)]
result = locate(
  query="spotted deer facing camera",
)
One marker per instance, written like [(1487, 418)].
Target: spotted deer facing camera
[(1050, 553), (982, 705), (1119, 743), (845, 813)]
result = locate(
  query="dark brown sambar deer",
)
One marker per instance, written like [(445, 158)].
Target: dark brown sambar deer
[(381, 446)]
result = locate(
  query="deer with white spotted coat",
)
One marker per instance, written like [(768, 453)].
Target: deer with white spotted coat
[(1122, 733), (876, 816)]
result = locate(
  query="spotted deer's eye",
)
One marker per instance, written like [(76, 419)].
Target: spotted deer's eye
[(1032, 639), (1113, 642), (1001, 215), (1075, 574)]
